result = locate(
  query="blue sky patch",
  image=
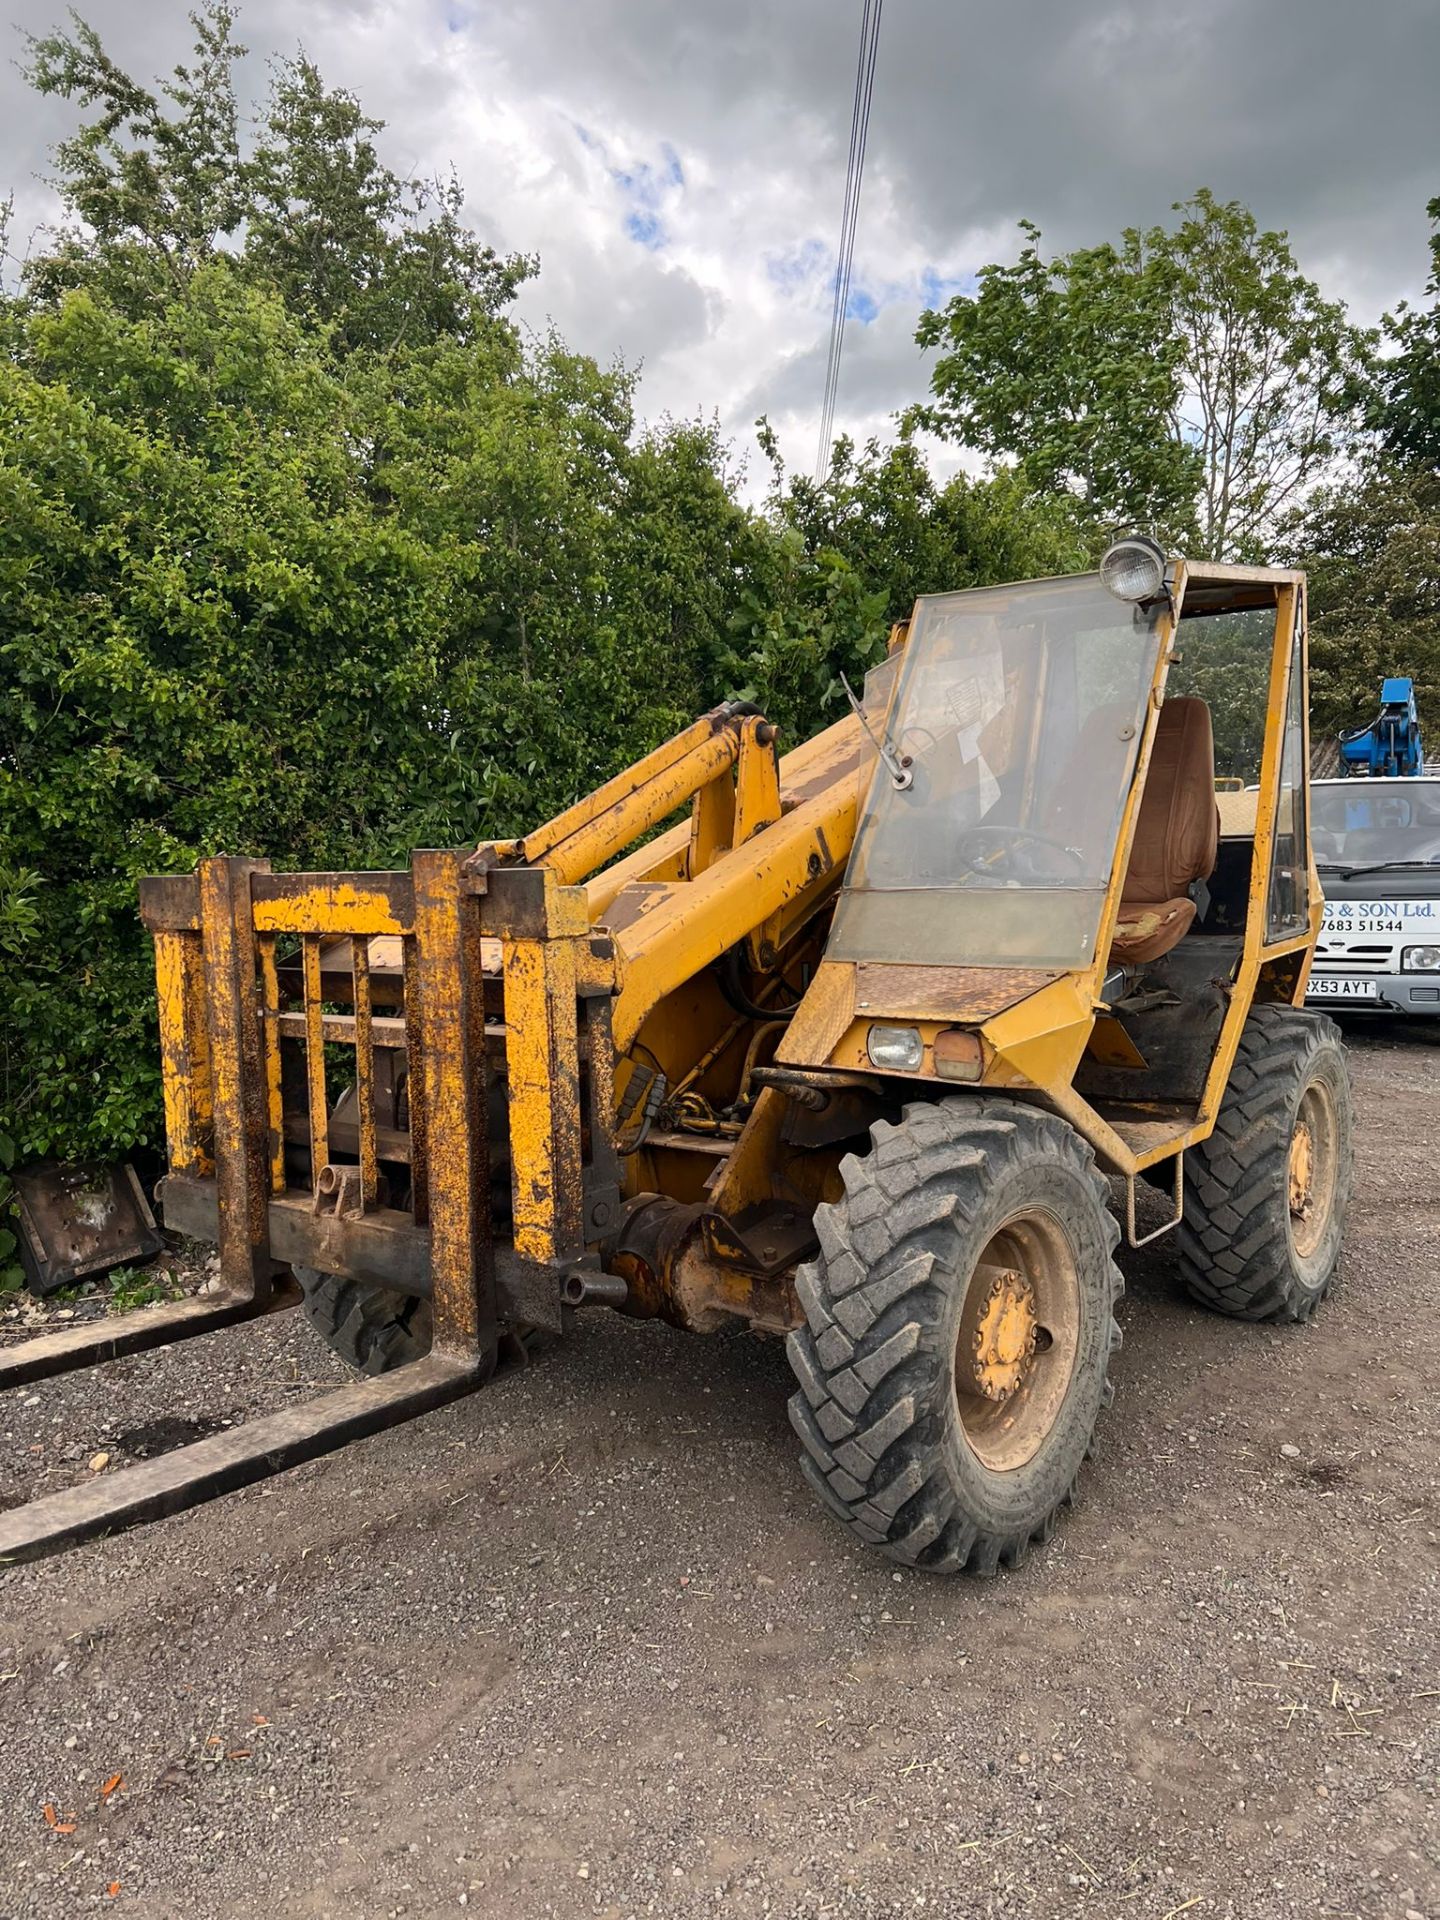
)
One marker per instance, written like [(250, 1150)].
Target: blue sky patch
[(801, 266), (645, 227), (936, 288), (644, 188)]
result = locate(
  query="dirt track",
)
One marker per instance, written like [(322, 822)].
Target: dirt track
[(585, 1646)]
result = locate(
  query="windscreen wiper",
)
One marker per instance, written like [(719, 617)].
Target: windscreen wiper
[(898, 769), (1376, 866)]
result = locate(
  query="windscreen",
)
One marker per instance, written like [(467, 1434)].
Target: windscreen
[(1016, 720), (1375, 823)]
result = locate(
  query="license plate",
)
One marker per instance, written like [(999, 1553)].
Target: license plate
[(1330, 986)]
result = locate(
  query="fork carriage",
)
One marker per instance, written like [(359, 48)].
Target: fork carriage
[(392, 1183)]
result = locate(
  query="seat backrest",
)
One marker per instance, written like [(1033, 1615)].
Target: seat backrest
[(1177, 832)]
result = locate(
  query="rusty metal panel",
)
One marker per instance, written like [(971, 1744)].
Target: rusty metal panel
[(542, 1058), (270, 1046), (602, 1175), (365, 1074), (639, 898), (331, 903), (83, 1217), (241, 1145), (184, 1051), (448, 975), (385, 1247), (548, 951), (315, 1060), (170, 903), (967, 994), (823, 1017), (415, 1088)]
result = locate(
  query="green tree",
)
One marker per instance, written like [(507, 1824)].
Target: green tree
[(348, 240), (905, 533), (1273, 372), (1408, 401), (153, 176), (156, 179), (1372, 550), (253, 598), (1071, 369), (1190, 380)]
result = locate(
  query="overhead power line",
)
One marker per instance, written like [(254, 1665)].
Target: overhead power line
[(850, 213)]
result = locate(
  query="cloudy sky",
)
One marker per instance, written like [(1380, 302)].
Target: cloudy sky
[(679, 164)]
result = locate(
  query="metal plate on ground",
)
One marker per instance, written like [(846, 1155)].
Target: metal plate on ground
[(79, 1218)]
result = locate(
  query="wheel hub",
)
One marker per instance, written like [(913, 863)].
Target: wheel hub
[(1005, 1335), (1302, 1170)]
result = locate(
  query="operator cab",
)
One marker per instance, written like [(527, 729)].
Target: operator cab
[(1053, 793)]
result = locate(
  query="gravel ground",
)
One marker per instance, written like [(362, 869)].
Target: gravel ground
[(584, 1645)]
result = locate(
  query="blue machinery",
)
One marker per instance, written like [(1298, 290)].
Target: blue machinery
[(1391, 743)]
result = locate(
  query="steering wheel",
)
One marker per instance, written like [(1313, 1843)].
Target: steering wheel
[(1009, 838)]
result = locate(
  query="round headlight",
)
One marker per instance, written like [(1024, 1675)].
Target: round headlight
[(1134, 568), (1421, 960)]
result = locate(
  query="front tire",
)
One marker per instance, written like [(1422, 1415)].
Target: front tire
[(1266, 1195), (373, 1329), (958, 1329)]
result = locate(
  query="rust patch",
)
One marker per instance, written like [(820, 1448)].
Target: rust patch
[(943, 993), (823, 1017)]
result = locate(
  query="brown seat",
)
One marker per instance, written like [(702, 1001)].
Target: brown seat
[(1176, 836)]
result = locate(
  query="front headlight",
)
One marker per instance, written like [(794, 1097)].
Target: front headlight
[(897, 1049), (1420, 960)]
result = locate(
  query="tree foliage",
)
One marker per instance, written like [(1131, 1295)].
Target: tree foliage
[(1067, 368), (1372, 548), (1189, 380), (157, 181), (903, 531), (1407, 411), (255, 599)]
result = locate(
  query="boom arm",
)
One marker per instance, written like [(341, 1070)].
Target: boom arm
[(764, 846)]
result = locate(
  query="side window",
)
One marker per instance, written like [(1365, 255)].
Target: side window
[(1224, 660), (1289, 895)]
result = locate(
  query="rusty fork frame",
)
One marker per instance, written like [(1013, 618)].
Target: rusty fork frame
[(215, 935)]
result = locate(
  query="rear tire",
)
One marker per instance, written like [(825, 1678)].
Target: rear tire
[(1266, 1195), (958, 1329), (373, 1329)]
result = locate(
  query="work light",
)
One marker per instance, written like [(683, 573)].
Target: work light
[(1134, 568)]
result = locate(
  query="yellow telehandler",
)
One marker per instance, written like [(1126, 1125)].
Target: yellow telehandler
[(844, 1053)]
